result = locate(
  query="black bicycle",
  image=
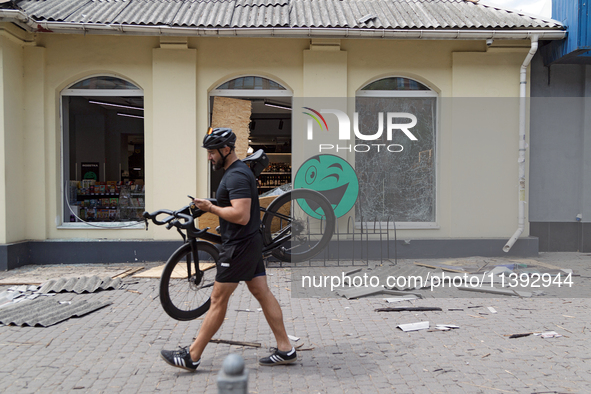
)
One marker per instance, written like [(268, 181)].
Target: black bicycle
[(296, 226)]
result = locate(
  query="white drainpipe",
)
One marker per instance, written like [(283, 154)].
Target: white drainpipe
[(522, 144)]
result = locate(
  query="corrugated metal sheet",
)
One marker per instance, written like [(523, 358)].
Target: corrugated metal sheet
[(205, 14), (85, 284), (98, 12), (389, 14), (46, 312), (407, 14), (148, 12), (261, 13), (18, 294), (51, 10)]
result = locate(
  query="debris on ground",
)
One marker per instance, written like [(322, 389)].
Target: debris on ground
[(237, 343), (525, 334), (17, 294), (423, 325), (179, 272), (448, 268), (548, 334), (129, 272), (446, 327), (84, 284), (399, 299), (484, 275), (357, 292), (408, 309), (38, 275), (493, 290), (46, 312)]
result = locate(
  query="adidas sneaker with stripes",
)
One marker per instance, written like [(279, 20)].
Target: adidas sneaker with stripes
[(279, 358), (180, 358)]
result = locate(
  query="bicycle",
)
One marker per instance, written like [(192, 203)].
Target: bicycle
[(296, 226)]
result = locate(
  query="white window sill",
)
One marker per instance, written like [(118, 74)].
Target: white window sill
[(103, 226), (369, 226)]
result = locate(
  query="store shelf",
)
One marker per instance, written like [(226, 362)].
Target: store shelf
[(274, 177), (81, 197)]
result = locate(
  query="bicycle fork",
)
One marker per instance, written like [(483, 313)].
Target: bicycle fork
[(198, 273)]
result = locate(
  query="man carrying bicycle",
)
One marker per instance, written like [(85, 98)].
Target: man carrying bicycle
[(240, 256)]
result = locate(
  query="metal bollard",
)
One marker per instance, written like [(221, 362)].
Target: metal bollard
[(233, 378)]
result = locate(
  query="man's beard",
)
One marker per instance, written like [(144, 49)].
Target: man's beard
[(217, 165)]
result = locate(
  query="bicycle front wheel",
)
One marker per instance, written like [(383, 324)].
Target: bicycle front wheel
[(184, 291), (301, 222)]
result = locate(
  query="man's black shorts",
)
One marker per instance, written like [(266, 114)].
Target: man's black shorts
[(241, 262)]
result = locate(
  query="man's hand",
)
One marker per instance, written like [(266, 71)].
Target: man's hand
[(238, 212), (204, 205)]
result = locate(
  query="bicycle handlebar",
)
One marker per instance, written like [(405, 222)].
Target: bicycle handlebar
[(188, 213), (152, 216), (173, 218)]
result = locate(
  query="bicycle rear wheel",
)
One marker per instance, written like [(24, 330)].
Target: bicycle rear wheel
[(184, 293), (301, 221)]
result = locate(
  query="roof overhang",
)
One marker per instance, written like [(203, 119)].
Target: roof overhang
[(24, 21)]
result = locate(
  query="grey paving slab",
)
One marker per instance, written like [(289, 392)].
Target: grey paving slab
[(351, 348)]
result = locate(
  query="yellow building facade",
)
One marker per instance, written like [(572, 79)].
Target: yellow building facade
[(476, 129)]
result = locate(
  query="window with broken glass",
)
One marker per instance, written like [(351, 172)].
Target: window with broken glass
[(397, 173)]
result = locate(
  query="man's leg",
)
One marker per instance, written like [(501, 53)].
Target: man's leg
[(259, 289), (214, 318)]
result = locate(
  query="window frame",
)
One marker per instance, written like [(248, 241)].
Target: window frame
[(383, 225), (65, 149), (245, 94)]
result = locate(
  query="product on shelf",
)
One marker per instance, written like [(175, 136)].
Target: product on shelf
[(106, 201)]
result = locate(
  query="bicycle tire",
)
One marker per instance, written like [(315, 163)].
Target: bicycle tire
[(184, 298), (306, 216)]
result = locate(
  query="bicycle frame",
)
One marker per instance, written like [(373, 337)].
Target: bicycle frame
[(193, 233)]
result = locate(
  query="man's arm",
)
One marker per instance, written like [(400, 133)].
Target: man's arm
[(238, 212)]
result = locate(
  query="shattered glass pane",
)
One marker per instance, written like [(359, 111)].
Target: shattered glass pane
[(397, 186)]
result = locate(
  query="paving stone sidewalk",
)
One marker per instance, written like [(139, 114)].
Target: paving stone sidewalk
[(348, 347)]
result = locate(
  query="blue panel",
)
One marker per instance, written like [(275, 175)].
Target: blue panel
[(574, 15)]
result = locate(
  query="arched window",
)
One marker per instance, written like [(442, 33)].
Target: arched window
[(251, 83), (395, 83), (103, 152), (397, 175), (258, 109)]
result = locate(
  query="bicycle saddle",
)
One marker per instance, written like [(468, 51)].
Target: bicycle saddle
[(257, 162)]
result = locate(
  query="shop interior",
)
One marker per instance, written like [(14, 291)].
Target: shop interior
[(269, 129), (104, 152)]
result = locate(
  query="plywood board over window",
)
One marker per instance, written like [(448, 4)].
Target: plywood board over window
[(235, 114)]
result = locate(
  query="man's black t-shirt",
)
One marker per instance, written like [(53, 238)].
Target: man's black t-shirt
[(238, 182)]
